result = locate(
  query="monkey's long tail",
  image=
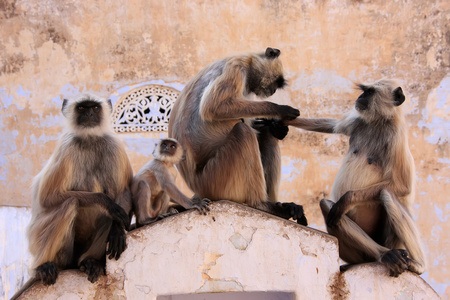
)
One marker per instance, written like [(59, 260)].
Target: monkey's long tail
[(25, 287)]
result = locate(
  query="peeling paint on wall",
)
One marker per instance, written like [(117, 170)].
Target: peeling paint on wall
[(14, 255)]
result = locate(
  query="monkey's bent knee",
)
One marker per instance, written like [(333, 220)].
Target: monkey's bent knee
[(326, 205)]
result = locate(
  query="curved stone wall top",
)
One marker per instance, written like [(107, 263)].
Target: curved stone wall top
[(234, 248)]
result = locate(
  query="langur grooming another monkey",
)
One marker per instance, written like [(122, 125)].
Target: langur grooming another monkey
[(373, 191), (82, 198), (226, 158), (154, 185)]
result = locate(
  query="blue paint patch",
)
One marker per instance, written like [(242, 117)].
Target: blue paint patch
[(440, 288), (8, 141), (440, 214), (57, 101), (21, 92), (47, 138), (143, 146), (42, 139), (333, 163), (69, 91), (124, 90), (429, 178), (444, 160), (322, 82), (3, 162), (442, 93), (51, 121), (438, 227), (5, 98), (33, 139), (289, 172), (443, 180), (438, 127), (114, 99)]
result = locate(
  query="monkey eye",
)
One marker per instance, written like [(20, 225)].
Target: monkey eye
[(96, 108), (173, 146), (80, 108), (164, 144), (370, 91), (280, 82)]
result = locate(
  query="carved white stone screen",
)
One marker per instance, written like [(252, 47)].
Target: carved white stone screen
[(146, 108)]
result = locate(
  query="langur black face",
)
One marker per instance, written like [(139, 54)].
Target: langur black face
[(379, 98), (88, 113), (364, 100), (168, 147), (266, 76)]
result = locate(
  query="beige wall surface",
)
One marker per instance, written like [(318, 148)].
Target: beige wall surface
[(54, 49)]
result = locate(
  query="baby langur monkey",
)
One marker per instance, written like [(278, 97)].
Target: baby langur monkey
[(373, 191), (154, 187)]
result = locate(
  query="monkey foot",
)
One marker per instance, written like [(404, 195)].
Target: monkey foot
[(47, 272), (93, 268)]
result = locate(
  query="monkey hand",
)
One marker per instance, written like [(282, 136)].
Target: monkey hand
[(119, 215), (117, 242), (287, 112), (289, 210), (275, 126), (296, 212), (200, 204), (397, 260)]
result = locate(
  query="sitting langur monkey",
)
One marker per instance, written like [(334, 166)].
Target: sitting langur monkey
[(374, 187), (225, 157), (82, 198), (154, 186)]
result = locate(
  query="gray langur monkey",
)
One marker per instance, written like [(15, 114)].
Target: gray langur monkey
[(229, 153), (154, 187), (373, 191), (81, 198)]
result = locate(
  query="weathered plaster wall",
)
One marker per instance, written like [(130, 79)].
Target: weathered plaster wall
[(53, 49), (233, 248)]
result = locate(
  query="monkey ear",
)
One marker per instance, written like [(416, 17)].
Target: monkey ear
[(155, 149), (399, 97), (109, 104), (272, 53), (64, 104)]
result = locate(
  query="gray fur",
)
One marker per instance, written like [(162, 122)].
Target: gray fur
[(374, 188), (225, 157)]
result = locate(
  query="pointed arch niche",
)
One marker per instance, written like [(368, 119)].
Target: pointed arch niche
[(144, 109)]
